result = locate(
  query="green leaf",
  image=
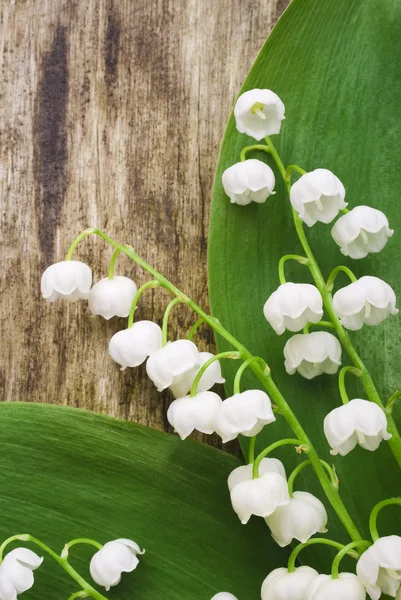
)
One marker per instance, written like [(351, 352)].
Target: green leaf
[(67, 473), (334, 64)]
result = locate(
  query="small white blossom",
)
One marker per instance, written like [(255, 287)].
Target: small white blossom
[(246, 413), (210, 377), (115, 558), (292, 306), (304, 516), (259, 113), (312, 354), (318, 196), (282, 585), (379, 567), (360, 231), (368, 300), (247, 181), (170, 365), (260, 496), (199, 412), (131, 347), (346, 587), (16, 574), (112, 297), (68, 279), (244, 473), (358, 422), (224, 596)]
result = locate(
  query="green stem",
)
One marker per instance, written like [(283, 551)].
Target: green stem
[(328, 324), (311, 542), (306, 463), (78, 240), (264, 378), (283, 260), (113, 263), (63, 562), (366, 379), (194, 328), (291, 168), (80, 594), (341, 382), (335, 272), (230, 354), (390, 402), (251, 450), (375, 513), (247, 149), (167, 312), (243, 367), (87, 541), (266, 451), (340, 555), (145, 286)]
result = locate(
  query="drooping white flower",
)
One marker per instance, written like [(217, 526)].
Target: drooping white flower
[(244, 473), (379, 567), (224, 596), (304, 516), (282, 585), (112, 297), (170, 365), (68, 279), (292, 306), (312, 354), (210, 377), (259, 113), (131, 347), (199, 412), (246, 413), (358, 422), (346, 587), (115, 558), (16, 574), (260, 496), (360, 231), (249, 181), (368, 300), (318, 196)]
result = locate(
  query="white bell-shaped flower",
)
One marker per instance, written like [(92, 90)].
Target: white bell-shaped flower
[(346, 587), (304, 516), (292, 306), (116, 557), (210, 377), (244, 473), (246, 414), (360, 231), (249, 181), (379, 567), (131, 347), (259, 113), (68, 279), (357, 422), (260, 496), (368, 300), (282, 585), (312, 354), (170, 365), (318, 196), (199, 412), (16, 574), (112, 297), (224, 596)]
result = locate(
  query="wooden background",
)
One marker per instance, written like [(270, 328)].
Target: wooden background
[(111, 115)]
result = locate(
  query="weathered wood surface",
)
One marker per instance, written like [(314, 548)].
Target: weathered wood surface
[(111, 115)]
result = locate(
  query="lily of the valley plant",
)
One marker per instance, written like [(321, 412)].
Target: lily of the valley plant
[(261, 487)]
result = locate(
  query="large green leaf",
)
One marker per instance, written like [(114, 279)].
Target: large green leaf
[(67, 473), (335, 65)]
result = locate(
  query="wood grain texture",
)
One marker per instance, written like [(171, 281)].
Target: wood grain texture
[(111, 115)]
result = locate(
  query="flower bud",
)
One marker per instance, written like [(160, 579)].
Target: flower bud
[(312, 354), (360, 231), (292, 306), (244, 473), (318, 196), (379, 567), (199, 412), (112, 297), (224, 596), (247, 181), (69, 280), (357, 422), (368, 300), (171, 365), (115, 558), (244, 414), (131, 347), (304, 516), (16, 574), (259, 113), (260, 496), (211, 376), (346, 587), (282, 585)]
